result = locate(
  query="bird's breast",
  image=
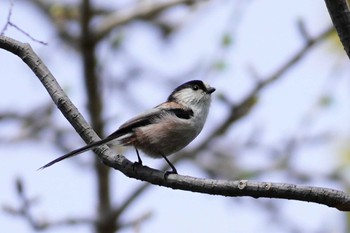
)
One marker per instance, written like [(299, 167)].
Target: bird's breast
[(165, 137)]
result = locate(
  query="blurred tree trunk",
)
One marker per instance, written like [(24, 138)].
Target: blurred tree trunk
[(93, 89)]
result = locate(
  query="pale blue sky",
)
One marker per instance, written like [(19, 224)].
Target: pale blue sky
[(265, 36)]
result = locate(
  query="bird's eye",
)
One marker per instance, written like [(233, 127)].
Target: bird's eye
[(195, 87)]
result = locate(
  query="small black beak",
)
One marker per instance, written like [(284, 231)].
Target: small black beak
[(210, 90)]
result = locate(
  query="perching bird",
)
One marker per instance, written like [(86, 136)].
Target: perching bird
[(163, 130)]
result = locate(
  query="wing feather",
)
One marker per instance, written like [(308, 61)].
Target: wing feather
[(150, 117)]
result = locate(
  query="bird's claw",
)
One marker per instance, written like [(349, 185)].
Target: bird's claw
[(167, 173), (136, 165)]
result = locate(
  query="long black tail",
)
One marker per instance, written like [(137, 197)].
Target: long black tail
[(78, 151)]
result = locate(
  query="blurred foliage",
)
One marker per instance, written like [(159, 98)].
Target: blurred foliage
[(229, 145)]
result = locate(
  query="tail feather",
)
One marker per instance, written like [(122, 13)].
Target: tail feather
[(77, 152)]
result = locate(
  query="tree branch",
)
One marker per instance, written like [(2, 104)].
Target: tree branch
[(126, 15), (38, 224), (340, 15), (330, 197)]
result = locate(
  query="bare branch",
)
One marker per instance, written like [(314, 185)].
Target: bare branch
[(8, 18), (136, 193), (10, 23), (142, 9), (326, 196), (340, 15), (27, 34), (24, 211), (135, 223), (39, 224)]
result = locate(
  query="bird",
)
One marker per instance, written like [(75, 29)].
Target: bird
[(163, 130)]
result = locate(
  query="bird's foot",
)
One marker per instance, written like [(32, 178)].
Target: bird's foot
[(136, 165), (167, 173)]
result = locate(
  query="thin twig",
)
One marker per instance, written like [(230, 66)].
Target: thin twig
[(27, 34), (142, 9), (8, 18)]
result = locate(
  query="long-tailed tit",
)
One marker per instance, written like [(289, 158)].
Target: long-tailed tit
[(163, 130)]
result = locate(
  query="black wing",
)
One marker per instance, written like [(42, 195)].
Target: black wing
[(148, 118)]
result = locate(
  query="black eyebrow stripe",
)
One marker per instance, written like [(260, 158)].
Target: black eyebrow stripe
[(189, 84)]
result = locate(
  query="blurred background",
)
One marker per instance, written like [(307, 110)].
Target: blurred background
[(280, 113)]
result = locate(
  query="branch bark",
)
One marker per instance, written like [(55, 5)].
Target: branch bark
[(330, 197), (340, 15)]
